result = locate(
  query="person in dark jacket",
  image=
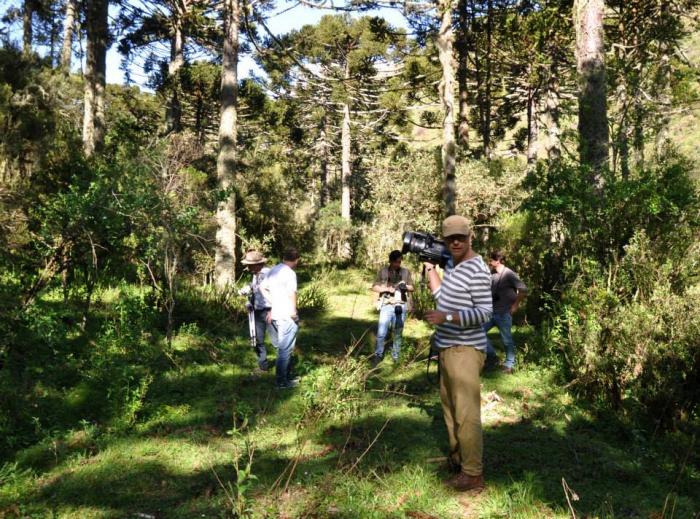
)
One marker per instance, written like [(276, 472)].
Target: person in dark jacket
[(507, 291)]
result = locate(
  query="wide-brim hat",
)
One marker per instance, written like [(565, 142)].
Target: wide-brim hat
[(253, 257), (456, 225)]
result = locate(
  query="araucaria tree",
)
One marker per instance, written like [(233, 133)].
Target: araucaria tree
[(95, 75), (592, 108), (225, 260)]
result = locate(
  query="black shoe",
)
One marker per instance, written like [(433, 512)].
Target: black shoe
[(375, 361)]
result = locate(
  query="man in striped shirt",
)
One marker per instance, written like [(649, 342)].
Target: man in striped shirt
[(464, 304)]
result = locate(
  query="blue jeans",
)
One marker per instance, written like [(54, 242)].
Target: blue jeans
[(284, 338), (503, 322), (261, 327), (390, 317)]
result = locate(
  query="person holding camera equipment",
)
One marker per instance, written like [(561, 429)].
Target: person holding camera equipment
[(280, 288), (393, 286), (463, 298), (258, 306), (508, 291)]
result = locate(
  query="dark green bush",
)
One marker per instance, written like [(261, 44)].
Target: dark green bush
[(566, 219), (628, 339), (614, 276)]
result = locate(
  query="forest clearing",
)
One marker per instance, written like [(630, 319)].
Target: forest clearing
[(233, 233)]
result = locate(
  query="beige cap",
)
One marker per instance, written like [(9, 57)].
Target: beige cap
[(454, 224), (253, 257)]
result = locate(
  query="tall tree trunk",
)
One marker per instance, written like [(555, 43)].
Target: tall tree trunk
[(346, 167), (592, 104), (324, 153), (225, 259), (532, 127), (665, 79), (444, 44), (27, 26), (620, 148), (199, 119), (638, 133), (177, 60), (552, 114), (95, 74), (68, 28), (478, 72), (462, 44), (487, 81), (53, 39), (624, 152)]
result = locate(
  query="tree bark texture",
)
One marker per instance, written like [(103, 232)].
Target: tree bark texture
[(225, 257), (532, 128), (177, 60), (27, 27), (592, 103), (324, 153), (346, 167), (445, 42), (95, 75), (487, 81), (462, 74), (552, 113), (68, 29)]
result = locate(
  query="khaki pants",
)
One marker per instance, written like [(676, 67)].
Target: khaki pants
[(460, 393)]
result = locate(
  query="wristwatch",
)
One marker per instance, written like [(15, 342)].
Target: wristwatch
[(448, 318)]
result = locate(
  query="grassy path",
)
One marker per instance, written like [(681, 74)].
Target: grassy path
[(213, 439)]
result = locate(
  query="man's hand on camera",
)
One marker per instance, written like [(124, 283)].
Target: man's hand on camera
[(428, 266), (435, 316)]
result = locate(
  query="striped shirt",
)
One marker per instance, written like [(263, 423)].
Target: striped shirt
[(466, 291)]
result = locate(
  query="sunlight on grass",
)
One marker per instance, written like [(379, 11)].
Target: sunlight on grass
[(349, 442)]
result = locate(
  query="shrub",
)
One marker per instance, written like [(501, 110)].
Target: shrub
[(313, 297), (336, 391), (628, 339), (563, 223), (124, 357), (335, 237)]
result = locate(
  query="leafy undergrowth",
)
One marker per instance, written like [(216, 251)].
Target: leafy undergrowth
[(214, 439)]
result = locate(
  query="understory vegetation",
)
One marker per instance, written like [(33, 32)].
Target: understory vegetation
[(193, 430)]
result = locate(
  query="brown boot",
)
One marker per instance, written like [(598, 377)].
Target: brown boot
[(463, 482)]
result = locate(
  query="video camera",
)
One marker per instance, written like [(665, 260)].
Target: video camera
[(428, 247)]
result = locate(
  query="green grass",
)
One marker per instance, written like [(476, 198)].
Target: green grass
[(346, 443)]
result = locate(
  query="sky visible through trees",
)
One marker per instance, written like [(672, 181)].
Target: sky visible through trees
[(287, 16)]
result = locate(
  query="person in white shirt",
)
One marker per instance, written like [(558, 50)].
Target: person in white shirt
[(280, 288), (258, 303)]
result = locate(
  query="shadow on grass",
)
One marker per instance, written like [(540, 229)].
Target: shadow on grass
[(141, 488), (203, 399), (323, 337), (525, 465), (612, 478)]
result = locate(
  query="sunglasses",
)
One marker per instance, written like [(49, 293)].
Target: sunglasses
[(456, 237)]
